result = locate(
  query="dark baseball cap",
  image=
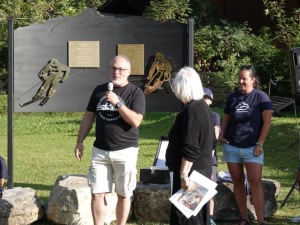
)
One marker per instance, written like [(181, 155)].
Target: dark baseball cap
[(208, 93)]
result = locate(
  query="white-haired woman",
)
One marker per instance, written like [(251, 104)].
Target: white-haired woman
[(190, 141)]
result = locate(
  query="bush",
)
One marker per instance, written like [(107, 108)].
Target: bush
[(222, 48)]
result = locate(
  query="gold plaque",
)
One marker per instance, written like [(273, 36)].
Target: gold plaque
[(135, 52), (84, 54)]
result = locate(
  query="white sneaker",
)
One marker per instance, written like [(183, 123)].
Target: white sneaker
[(296, 219)]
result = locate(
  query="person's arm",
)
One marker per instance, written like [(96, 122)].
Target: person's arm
[(224, 124), (217, 132), (85, 127), (129, 116), (266, 117), (184, 173)]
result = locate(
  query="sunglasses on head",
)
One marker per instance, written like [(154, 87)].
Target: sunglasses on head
[(247, 67)]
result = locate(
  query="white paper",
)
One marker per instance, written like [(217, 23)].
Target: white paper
[(161, 160), (159, 168), (190, 202)]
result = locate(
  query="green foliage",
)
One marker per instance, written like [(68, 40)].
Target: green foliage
[(202, 12), (288, 31), (181, 10), (270, 62), (168, 9), (223, 47)]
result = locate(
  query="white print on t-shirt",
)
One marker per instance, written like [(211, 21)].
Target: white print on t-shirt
[(242, 107), (105, 106)]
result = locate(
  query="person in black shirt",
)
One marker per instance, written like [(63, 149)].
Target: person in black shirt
[(190, 142), (244, 129), (3, 175), (208, 98), (118, 109)]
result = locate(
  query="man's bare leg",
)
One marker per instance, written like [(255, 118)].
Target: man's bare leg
[(99, 208), (122, 209)]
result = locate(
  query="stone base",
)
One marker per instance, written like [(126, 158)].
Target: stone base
[(70, 202), (20, 206), (151, 202), (226, 207)]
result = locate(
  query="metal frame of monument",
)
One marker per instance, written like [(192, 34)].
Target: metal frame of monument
[(11, 102)]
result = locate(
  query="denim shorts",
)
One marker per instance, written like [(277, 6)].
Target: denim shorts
[(108, 167), (240, 155)]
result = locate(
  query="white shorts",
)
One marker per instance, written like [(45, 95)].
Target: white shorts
[(113, 166)]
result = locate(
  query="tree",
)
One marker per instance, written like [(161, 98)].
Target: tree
[(168, 9), (288, 31)]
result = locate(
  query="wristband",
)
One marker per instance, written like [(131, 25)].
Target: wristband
[(80, 142), (259, 144), (183, 176)]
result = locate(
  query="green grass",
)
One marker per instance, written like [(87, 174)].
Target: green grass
[(44, 149)]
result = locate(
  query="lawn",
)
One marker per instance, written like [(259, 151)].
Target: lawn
[(44, 149)]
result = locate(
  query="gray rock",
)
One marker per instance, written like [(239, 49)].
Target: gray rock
[(20, 206), (226, 207), (151, 201), (70, 202)]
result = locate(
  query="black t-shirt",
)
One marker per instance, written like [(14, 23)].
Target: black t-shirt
[(112, 132), (245, 119)]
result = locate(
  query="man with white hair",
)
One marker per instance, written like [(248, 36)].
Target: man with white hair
[(118, 108)]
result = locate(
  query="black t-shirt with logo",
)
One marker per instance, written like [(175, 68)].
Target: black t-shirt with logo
[(112, 132)]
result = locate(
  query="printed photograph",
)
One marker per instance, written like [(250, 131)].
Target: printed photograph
[(191, 198)]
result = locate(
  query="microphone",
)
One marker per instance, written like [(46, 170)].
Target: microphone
[(110, 86)]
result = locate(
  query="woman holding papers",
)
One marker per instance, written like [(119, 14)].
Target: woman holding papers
[(190, 142), (244, 129)]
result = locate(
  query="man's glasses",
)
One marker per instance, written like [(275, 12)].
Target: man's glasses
[(118, 69)]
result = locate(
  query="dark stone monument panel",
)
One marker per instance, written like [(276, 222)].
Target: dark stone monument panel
[(37, 44)]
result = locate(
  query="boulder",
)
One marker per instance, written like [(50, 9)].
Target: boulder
[(20, 206), (70, 202), (151, 201), (226, 207)]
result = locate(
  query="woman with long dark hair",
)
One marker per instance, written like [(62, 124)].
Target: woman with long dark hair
[(244, 129)]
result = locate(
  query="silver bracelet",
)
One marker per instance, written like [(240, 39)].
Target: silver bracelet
[(259, 144), (183, 176)]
